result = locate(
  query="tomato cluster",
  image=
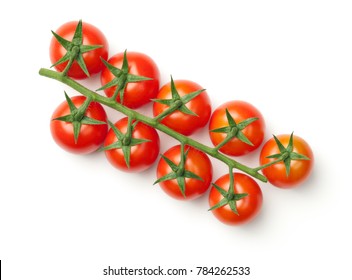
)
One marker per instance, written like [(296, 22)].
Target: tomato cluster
[(181, 107)]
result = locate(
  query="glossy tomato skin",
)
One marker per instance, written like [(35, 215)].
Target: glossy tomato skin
[(91, 36), (247, 207), (240, 111), (91, 137), (300, 169), (139, 93), (196, 162), (179, 121), (142, 156)]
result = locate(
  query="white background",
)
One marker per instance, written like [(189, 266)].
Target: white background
[(69, 217)]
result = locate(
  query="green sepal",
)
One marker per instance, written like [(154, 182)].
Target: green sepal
[(121, 78), (287, 163), (281, 147), (220, 190), (229, 197), (167, 102), (77, 117), (177, 102), (119, 135), (170, 163), (174, 93), (178, 172), (75, 49), (119, 144), (88, 48), (82, 64), (63, 59), (76, 129), (242, 125), (182, 185), (221, 203), (286, 154), (191, 175), (296, 156), (240, 136), (233, 206), (187, 111), (234, 130), (225, 129), (88, 120), (70, 103), (63, 42), (66, 118), (127, 154), (138, 141), (188, 97), (115, 145), (274, 156), (167, 177), (230, 119)]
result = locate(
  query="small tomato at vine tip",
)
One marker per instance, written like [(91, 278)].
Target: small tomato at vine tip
[(247, 199), (131, 146), (139, 79), (236, 128), (184, 173), (192, 114), (90, 137), (91, 46), (296, 166)]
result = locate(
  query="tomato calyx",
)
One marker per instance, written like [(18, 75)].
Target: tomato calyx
[(179, 172), (286, 155), (177, 102), (124, 140), (77, 116), (234, 130), (122, 78), (230, 197), (75, 49)]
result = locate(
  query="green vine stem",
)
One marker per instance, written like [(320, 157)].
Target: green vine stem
[(269, 164), (213, 152)]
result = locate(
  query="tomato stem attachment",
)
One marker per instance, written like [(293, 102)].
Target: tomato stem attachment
[(176, 102), (73, 56), (286, 155), (229, 197), (75, 49), (233, 130), (121, 78), (231, 163), (78, 116)]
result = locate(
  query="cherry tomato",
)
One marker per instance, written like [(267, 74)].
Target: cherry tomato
[(142, 156), (299, 169), (139, 93), (90, 136), (196, 162), (240, 111), (247, 207), (92, 59), (181, 122)]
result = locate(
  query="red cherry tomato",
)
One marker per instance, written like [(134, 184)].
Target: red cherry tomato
[(196, 162), (90, 137), (142, 156), (184, 123), (139, 93), (247, 207), (299, 169), (239, 111), (92, 59)]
